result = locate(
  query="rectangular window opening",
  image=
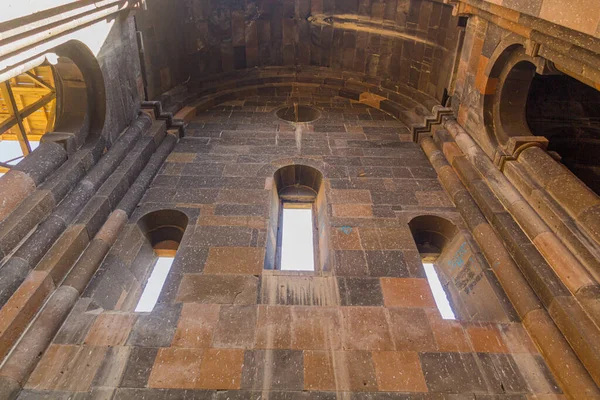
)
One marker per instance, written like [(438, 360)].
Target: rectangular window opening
[(155, 284), (439, 294), (297, 247)]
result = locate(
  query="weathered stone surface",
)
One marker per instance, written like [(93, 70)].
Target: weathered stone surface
[(66, 367), (299, 290), (196, 325), (366, 328), (176, 368), (411, 330), (157, 328), (15, 186), (63, 254), (234, 260), (29, 213), (236, 327), (360, 292), (218, 289), (110, 329), (399, 372), (16, 314), (139, 366), (276, 369), (43, 161), (452, 373), (406, 293)]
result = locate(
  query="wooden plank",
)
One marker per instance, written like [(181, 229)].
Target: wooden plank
[(6, 125), (38, 81), (8, 94)]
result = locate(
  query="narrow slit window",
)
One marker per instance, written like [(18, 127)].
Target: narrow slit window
[(439, 294), (155, 284), (297, 248)]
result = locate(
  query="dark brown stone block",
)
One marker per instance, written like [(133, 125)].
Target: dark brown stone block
[(13, 272), (387, 263), (452, 373), (157, 328), (65, 178), (360, 292), (139, 366), (42, 239), (502, 373), (366, 328), (350, 263), (63, 254), (86, 265), (278, 369)]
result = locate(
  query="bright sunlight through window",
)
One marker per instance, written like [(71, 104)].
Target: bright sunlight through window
[(155, 283), (297, 252), (438, 292)]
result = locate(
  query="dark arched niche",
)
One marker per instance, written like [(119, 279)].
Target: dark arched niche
[(164, 229), (431, 233), (298, 182)]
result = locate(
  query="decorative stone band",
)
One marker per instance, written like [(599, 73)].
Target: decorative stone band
[(424, 130), (155, 111)]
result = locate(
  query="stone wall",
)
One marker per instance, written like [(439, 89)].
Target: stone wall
[(226, 328)]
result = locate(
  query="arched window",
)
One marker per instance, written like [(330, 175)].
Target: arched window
[(27, 111), (296, 242), (62, 100), (432, 234), (164, 229)]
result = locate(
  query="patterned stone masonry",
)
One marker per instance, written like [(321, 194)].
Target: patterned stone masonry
[(408, 41), (225, 328)]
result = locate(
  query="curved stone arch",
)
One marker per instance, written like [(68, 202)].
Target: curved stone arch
[(405, 104), (164, 228), (432, 233), (298, 179), (86, 117), (492, 74), (319, 165)]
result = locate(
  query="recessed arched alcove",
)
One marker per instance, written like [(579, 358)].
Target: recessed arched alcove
[(432, 233), (533, 98), (164, 228), (457, 272), (567, 113), (298, 203)]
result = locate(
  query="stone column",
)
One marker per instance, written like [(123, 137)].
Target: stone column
[(582, 204)]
